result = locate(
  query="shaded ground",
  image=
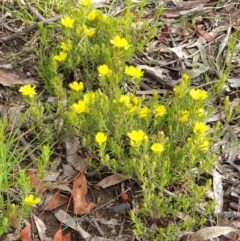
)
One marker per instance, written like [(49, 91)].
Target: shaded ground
[(193, 38)]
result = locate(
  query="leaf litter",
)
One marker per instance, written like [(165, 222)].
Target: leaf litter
[(79, 194), (111, 181), (10, 79), (25, 233), (41, 228)]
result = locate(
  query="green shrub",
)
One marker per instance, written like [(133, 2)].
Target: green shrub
[(163, 143)]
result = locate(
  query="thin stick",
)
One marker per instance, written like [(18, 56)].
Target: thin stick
[(36, 13), (27, 30), (98, 228)]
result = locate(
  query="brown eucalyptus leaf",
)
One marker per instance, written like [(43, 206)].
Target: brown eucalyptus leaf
[(25, 233), (190, 4), (79, 194), (204, 34), (58, 236), (69, 221), (41, 228), (67, 237), (37, 184), (211, 232), (111, 181), (56, 201), (234, 82), (10, 79), (218, 191), (72, 145)]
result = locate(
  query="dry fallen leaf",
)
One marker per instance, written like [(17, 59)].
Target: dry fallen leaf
[(164, 34), (79, 193), (211, 232), (10, 79), (56, 201), (111, 180), (67, 237), (185, 8), (58, 236), (190, 4), (38, 185), (25, 233), (218, 191), (234, 82), (69, 221), (72, 145), (68, 172), (41, 228), (204, 34), (221, 48)]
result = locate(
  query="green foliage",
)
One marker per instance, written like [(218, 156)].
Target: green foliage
[(163, 143), (87, 45), (159, 143), (14, 178)]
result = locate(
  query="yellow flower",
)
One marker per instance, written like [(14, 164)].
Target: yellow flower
[(90, 32), (199, 112), (159, 110), (183, 115), (92, 15), (67, 22), (77, 86), (177, 90), (80, 107), (31, 201), (132, 109), (198, 94), (157, 147), (144, 112), (133, 72), (85, 30), (134, 100), (28, 90), (103, 70), (104, 18), (185, 77), (66, 46), (136, 137), (124, 99), (203, 144), (200, 128), (89, 98), (100, 138), (120, 42), (61, 56), (86, 2)]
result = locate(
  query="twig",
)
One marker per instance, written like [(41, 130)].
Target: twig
[(230, 214), (36, 13), (169, 193), (121, 227), (27, 30), (98, 228), (150, 92), (102, 206)]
